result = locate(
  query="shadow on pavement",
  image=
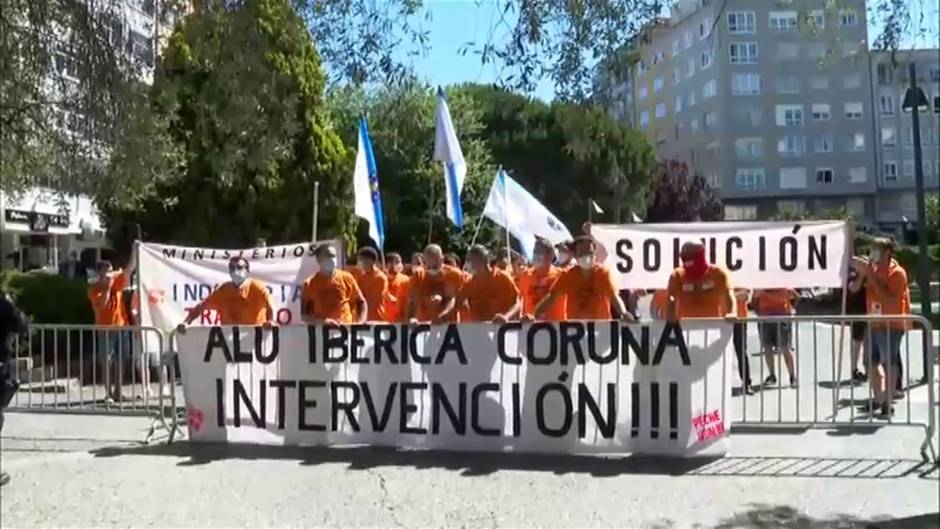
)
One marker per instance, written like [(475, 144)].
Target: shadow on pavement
[(480, 464), (762, 516)]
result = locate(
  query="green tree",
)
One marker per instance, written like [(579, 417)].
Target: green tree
[(679, 196), (932, 204), (401, 124), (240, 90)]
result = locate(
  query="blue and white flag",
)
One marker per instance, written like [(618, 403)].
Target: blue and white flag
[(447, 150), (366, 187), (515, 209)]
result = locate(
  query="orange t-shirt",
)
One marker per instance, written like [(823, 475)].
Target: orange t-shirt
[(374, 287), (705, 298), (534, 285), (333, 296), (741, 304), (447, 283), (245, 305), (463, 311), (660, 302), (112, 311), (487, 294), (774, 301), (396, 303), (588, 295), (896, 278)]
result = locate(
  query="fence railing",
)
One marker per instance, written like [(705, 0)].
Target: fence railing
[(64, 369), (92, 369)]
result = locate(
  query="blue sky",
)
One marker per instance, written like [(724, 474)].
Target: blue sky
[(456, 22)]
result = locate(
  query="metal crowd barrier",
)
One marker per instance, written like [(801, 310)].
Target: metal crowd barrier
[(825, 394), (66, 368)]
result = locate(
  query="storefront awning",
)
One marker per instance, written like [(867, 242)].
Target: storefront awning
[(39, 211)]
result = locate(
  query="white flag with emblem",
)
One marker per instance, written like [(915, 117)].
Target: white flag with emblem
[(515, 209)]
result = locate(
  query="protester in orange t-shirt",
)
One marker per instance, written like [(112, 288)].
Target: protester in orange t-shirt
[(107, 302), (698, 289), (535, 282), (451, 259), (396, 303), (416, 264), (373, 283), (887, 294), (776, 336), (433, 288), (332, 296), (241, 301), (491, 294), (741, 296), (588, 288), (563, 250)]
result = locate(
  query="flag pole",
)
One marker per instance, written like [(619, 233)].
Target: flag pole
[(506, 209), (590, 206), (316, 209)]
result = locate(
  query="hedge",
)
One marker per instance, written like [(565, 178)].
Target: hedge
[(48, 298)]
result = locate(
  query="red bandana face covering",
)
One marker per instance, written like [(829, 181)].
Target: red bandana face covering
[(696, 265)]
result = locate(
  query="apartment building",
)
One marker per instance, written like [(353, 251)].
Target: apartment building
[(770, 101), (896, 200)]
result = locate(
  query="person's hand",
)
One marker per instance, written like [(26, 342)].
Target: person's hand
[(267, 325), (731, 318), (528, 318), (586, 228), (181, 328), (413, 321), (330, 321), (436, 298), (626, 316), (500, 319), (860, 264)]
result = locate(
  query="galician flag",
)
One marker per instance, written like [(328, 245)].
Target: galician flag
[(366, 187), (447, 150)]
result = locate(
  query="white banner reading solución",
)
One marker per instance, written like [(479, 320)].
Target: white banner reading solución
[(568, 387), (174, 279), (756, 254)]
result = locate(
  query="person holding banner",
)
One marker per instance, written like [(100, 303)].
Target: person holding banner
[(740, 339), (241, 301), (887, 294), (535, 282), (698, 289), (776, 337), (106, 296), (396, 303), (588, 289), (373, 283), (433, 288), (332, 296), (490, 295)]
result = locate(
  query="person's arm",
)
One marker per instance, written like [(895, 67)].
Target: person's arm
[(131, 265), (307, 299), (452, 303), (557, 289), (269, 307), (672, 309), (889, 288), (513, 311), (616, 302), (362, 307), (197, 311)]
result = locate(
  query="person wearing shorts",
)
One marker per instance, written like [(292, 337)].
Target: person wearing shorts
[(855, 305), (106, 297), (776, 336)]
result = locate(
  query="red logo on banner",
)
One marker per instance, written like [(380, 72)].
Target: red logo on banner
[(155, 297), (194, 418), (708, 426)]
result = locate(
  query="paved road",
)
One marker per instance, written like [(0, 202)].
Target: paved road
[(93, 471)]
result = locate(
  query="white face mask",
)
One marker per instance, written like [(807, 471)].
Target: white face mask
[(239, 276), (564, 257), (539, 261), (328, 265), (434, 271), (586, 261), (875, 254)]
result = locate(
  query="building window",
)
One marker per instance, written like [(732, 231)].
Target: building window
[(687, 40), (823, 144), (751, 178), (740, 212), (710, 89), (711, 120), (791, 205), (704, 29), (678, 104), (660, 110), (675, 47), (855, 206), (782, 21), (821, 112), (787, 51), (706, 59), (658, 58), (823, 176), (749, 148), (644, 91), (748, 115), (888, 137), (928, 170), (858, 143), (788, 84), (885, 74), (793, 178), (908, 136), (816, 20), (745, 84), (819, 82), (848, 17), (852, 81), (141, 48), (676, 75), (789, 115), (644, 118), (909, 169), (816, 50), (714, 180), (858, 175), (850, 49), (693, 125), (935, 74), (692, 98), (853, 111), (886, 103), (658, 85), (640, 67), (690, 71), (791, 145), (113, 30), (743, 52), (741, 22)]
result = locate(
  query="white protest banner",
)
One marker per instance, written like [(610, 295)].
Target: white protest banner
[(567, 387), (756, 254), (174, 279)]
